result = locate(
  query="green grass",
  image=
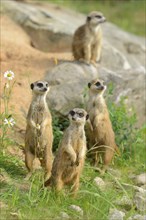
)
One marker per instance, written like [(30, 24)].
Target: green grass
[(27, 200), (35, 203), (129, 15)]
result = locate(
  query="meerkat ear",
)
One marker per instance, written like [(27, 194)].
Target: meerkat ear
[(88, 18), (32, 86), (89, 85), (71, 113), (87, 116)]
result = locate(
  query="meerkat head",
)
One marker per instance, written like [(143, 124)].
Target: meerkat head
[(97, 86), (95, 17), (40, 87), (78, 115)]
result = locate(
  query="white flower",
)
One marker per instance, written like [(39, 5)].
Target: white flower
[(9, 121), (9, 75)]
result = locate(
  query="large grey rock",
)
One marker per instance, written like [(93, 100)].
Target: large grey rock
[(49, 28), (68, 81), (123, 56)]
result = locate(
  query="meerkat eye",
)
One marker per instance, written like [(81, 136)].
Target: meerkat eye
[(88, 18), (72, 113), (47, 84), (40, 85), (81, 115), (98, 16), (97, 84)]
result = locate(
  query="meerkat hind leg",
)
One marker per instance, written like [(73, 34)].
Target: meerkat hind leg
[(59, 184), (48, 165), (107, 160), (75, 186), (29, 158)]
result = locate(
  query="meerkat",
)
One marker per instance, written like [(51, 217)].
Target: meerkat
[(69, 160), (87, 39), (101, 137), (39, 135)]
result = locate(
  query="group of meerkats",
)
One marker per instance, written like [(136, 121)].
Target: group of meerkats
[(70, 157)]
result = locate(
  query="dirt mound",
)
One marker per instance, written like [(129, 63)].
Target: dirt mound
[(28, 64)]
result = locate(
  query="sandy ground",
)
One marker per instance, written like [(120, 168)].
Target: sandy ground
[(28, 64)]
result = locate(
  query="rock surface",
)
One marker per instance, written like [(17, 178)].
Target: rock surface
[(124, 202), (99, 183), (62, 216), (68, 81), (140, 201), (51, 28), (115, 214), (137, 217), (77, 209), (141, 179)]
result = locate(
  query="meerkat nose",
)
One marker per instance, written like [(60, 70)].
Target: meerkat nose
[(104, 19), (45, 89)]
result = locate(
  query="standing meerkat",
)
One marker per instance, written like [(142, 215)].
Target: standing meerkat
[(101, 138), (39, 136), (69, 160), (87, 40)]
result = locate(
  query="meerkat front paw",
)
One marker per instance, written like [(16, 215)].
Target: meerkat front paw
[(38, 126), (94, 63), (84, 61)]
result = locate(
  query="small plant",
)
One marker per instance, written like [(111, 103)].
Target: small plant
[(7, 121), (123, 122), (59, 125)]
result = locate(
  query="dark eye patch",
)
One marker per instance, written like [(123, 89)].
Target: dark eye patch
[(72, 113), (47, 84), (40, 85), (97, 84), (88, 18), (81, 115), (98, 16)]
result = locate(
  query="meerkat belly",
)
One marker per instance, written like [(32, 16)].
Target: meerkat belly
[(36, 141), (99, 127), (38, 116)]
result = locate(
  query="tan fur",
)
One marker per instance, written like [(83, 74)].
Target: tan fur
[(101, 138), (69, 160), (39, 136), (87, 40)]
